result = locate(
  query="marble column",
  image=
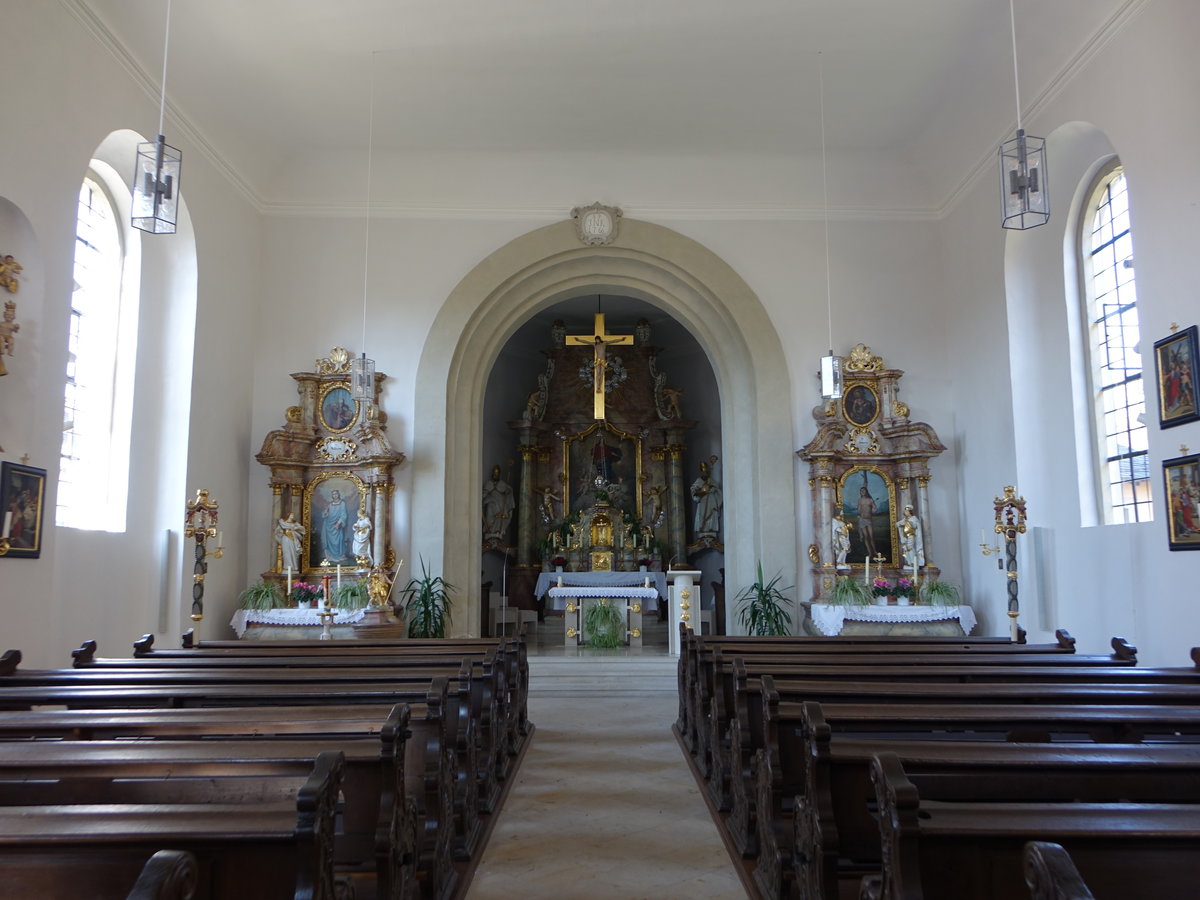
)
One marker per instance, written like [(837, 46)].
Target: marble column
[(925, 517), (381, 524), (276, 515), (526, 506)]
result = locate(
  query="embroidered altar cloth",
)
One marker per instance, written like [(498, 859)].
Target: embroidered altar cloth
[(829, 618)]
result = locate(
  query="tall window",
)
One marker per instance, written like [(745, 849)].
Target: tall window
[(97, 405), (1110, 293)]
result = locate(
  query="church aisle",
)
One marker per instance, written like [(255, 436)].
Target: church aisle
[(604, 805)]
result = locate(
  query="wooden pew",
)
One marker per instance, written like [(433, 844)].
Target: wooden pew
[(167, 875), (832, 820), (1050, 873), (965, 848), (377, 830), (243, 847)]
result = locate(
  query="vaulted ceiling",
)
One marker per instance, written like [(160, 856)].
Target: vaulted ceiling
[(922, 88)]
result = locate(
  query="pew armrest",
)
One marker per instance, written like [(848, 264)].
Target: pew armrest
[(168, 875), (1051, 875)]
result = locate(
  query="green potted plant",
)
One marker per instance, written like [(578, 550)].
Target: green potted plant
[(940, 593), (849, 591), (763, 607), (426, 602), (264, 595), (603, 624), (351, 595)]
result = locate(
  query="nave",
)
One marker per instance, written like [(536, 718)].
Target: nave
[(604, 805)]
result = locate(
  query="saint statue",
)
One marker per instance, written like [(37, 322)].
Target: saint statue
[(498, 504), (707, 494), (333, 527), (912, 543), (289, 533), (362, 538), (841, 541)]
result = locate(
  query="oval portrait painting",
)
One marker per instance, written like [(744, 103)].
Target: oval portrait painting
[(338, 411), (860, 405)]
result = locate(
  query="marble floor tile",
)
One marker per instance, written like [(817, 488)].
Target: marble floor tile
[(604, 805)]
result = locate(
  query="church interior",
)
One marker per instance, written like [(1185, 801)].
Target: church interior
[(598, 256)]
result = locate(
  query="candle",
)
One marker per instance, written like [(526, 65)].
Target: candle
[(8, 524), (220, 539), (867, 574), (289, 580), (339, 573)]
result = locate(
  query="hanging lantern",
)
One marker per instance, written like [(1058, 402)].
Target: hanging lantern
[(831, 376), (1024, 194), (156, 187), (362, 379)]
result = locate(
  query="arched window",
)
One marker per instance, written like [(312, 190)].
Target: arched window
[(1110, 311), (98, 399)]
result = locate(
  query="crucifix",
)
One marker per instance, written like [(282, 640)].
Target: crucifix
[(599, 340)]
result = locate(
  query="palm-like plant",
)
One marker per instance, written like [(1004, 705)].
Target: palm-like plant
[(939, 593), (762, 607), (603, 624), (263, 595), (849, 591), (427, 605), (351, 595)]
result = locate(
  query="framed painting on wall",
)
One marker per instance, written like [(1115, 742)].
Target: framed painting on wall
[(331, 503), (1175, 364), (1182, 478), (22, 496)]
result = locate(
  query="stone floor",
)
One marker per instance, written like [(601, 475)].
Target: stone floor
[(604, 805)]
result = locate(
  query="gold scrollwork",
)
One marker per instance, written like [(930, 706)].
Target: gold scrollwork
[(900, 408), (685, 594), (571, 632), (635, 632), (685, 605), (861, 359), (814, 554), (635, 607), (571, 607), (827, 583), (336, 363), (685, 617)]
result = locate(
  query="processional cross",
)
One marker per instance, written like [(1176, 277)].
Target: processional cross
[(599, 339)]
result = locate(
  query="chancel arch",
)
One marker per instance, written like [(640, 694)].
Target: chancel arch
[(549, 265)]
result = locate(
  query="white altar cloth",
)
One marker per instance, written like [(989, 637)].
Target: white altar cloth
[(547, 580), (560, 595), (829, 618), (244, 618)]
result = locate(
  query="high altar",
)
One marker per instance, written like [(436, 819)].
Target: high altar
[(601, 483)]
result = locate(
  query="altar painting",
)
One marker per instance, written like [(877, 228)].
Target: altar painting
[(610, 455), (331, 505), (868, 504)]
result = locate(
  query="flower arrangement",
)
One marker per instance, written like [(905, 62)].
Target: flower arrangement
[(645, 561), (904, 587), (881, 587), (304, 592), (558, 561)]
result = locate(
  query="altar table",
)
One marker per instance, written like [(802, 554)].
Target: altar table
[(547, 580), (830, 618), (294, 623), (571, 599)]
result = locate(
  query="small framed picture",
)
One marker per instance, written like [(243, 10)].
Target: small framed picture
[(1175, 361), (1182, 478), (22, 497)]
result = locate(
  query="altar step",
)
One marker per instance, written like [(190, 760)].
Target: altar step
[(589, 675)]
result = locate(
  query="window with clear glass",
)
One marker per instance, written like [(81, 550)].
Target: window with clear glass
[(1119, 412), (92, 482)]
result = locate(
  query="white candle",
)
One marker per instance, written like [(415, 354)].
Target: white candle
[(289, 580), (220, 539), (8, 524), (867, 574), (339, 573)]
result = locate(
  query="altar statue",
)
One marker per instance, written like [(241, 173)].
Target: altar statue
[(707, 494), (362, 538), (498, 504), (912, 544), (289, 533), (841, 540)]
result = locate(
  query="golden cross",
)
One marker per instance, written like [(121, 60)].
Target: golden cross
[(599, 339)]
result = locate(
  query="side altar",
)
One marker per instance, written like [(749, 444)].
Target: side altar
[(331, 481), (869, 478)]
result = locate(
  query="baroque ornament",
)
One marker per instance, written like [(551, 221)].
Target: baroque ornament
[(337, 362)]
